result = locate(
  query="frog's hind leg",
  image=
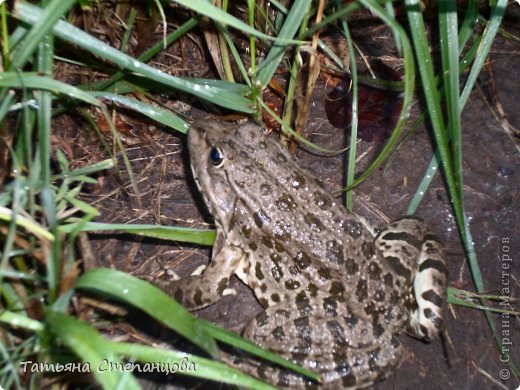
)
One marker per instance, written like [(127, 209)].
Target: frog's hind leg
[(416, 256), (430, 286), (347, 351)]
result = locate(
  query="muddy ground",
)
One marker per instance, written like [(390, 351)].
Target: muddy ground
[(467, 357)]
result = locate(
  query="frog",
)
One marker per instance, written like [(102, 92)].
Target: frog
[(336, 293)]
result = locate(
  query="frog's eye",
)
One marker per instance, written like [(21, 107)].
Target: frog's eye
[(216, 156)]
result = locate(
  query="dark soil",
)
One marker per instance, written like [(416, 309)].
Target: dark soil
[(467, 356)]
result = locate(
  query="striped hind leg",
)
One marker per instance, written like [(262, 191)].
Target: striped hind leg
[(416, 256), (430, 286)]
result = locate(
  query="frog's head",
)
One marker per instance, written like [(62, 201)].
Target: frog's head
[(214, 157)]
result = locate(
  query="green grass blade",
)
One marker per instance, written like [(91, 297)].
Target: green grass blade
[(291, 25), (31, 14), (214, 13), (88, 170), (149, 299), (203, 368), (424, 184), (466, 299), (347, 9), (148, 54), (468, 58), (174, 233), (433, 100), (30, 225), (235, 88), (409, 80), (158, 114), (158, 305), (34, 81), (351, 162), (450, 65), (48, 18), (488, 37), (91, 348), (20, 321), (236, 55), (6, 103), (44, 64), (468, 23)]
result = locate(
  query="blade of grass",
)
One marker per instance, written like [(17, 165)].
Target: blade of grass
[(34, 81), (216, 14), (291, 24), (88, 170), (158, 114), (433, 103), (450, 65), (467, 59), (150, 300), (174, 233), (203, 368), (44, 64), (6, 103), (465, 298), (148, 54), (488, 37), (432, 98), (30, 225), (31, 14), (91, 348), (409, 79), (348, 8), (468, 23), (351, 163), (158, 305), (54, 10), (252, 47), (20, 321), (236, 55), (223, 47)]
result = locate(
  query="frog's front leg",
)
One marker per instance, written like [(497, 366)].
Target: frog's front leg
[(198, 291)]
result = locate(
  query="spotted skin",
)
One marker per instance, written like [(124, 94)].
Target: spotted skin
[(335, 295)]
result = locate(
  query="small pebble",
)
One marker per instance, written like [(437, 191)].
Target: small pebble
[(505, 171)]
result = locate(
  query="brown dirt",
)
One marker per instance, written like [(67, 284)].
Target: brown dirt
[(467, 357)]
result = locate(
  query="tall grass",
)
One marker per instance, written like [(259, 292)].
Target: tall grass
[(41, 214)]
